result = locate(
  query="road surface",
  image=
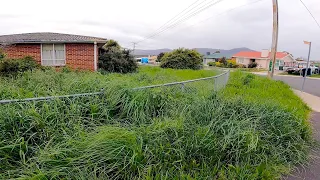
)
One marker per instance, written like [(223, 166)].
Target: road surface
[(312, 85)]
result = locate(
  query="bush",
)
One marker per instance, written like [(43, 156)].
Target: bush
[(211, 63), (252, 65), (242, 66), (159, 57), (182, 59), (232, 61), (115, 59), (218, 64), (2, 54), (9, 67), (223, 61)]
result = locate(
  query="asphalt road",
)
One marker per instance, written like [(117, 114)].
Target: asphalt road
[(312, 86)]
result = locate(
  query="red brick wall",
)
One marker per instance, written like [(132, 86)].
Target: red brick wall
[(80, 56), (22, 50)]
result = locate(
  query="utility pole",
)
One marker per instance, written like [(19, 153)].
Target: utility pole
[(134, 47), (308, 64), (274, 45)]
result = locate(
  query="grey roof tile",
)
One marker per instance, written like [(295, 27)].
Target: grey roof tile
[(48, 37)]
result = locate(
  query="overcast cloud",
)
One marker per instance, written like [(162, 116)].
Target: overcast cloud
[(132, 20)]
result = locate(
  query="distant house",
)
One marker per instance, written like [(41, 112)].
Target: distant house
[(151, 58), (263, 58), (215, 57), (55, 49)]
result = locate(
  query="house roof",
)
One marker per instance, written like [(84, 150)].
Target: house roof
[(218, 56), (41, 37), (257, 55)]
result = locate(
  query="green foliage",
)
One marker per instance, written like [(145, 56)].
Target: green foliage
[(2, 54), (182, 59), (211, 63), (223, 61), (218, 64), (159, 57), (115, 59), (246, 131), (111, 44), (252, 65), (13, 67), (66, 69)]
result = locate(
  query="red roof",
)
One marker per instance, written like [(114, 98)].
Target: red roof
[(257, 55)]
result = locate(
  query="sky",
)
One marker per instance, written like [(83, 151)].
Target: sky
[(225, 25)]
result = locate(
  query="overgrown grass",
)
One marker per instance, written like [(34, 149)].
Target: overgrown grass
[(50, 82), (253, 129)]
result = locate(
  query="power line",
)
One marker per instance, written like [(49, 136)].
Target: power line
[(202, 8), (180, 14), (310, 13), (177, 16), (232, 9), (227, 11)]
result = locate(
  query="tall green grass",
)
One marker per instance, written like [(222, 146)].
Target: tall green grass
[(241, 132), (51, 82)]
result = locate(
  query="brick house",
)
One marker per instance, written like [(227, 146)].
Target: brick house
[(54, 49), (263, 58)]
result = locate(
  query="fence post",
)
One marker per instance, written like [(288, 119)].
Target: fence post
[(182, 86)]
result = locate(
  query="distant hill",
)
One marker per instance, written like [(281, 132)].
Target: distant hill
[(203, 51)]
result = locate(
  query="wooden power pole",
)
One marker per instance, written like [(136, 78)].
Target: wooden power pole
[(274, 46)]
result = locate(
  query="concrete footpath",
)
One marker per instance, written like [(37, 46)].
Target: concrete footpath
[(312, 101), (310, 171)]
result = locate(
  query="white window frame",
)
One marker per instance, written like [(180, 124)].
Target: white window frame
[(54, 56), (241, 60)]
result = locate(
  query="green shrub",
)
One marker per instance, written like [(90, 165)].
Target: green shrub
[(252, 65), (66, 69), (218, 64), (212, 63), (117, 60), (182, 59), (223, 61), (13, 67), (2, 54), (159, 57)]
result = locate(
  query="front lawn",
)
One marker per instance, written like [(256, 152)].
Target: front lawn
[(255, 128)]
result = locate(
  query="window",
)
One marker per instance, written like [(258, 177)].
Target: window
[(241, 60), (53, 55)]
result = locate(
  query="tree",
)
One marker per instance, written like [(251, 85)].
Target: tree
[(160, 56), (223, 61), (111, 44), (115, 59), (182, 59)]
